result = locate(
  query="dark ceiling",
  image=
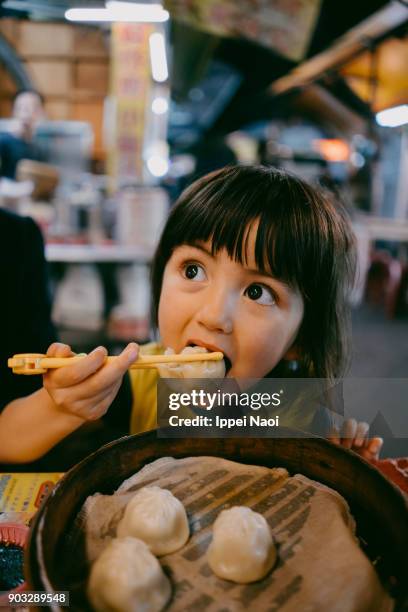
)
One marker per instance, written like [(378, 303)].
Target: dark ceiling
[(196, 54)]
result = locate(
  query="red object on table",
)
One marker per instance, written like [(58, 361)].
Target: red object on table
[(13, 533), (395, 470), (384, 282)]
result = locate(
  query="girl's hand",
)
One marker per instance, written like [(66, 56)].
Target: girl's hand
[(87, 389), (354, 435)]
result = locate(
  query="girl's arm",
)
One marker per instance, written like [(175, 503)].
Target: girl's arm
[(71, 395), (30, 426)]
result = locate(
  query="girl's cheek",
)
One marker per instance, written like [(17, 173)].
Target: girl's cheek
[(172, 305)]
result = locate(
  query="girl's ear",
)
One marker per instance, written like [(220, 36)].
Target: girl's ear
[(292, 354)]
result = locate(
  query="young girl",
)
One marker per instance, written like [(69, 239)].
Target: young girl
[(253, 262), (256, 263)]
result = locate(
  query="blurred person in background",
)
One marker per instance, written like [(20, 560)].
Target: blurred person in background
[(30, 422), (25, 307), (28, 111)]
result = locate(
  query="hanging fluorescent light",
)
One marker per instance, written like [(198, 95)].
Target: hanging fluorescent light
[(158, 57), (120, 11), (131, 11), (157, 165), (393, 117), (88, 14), (160, 105)]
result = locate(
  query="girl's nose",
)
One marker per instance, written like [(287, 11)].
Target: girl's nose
[(216, 313)]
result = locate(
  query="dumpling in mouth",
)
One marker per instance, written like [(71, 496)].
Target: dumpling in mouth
[(197, 369)]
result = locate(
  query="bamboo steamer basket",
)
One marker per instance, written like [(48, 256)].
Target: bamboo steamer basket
[(380, 509)]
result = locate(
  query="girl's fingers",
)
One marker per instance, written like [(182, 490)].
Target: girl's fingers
[(334, 435), (370, 448), (89, 386), (71, 375), (373, 448), (125, 359), (361, 434), (86, 393), (348, 432), (58, 349), (112, 372), (354, 435)]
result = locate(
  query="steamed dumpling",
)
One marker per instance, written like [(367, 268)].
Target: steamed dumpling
[(158, 518), (126, 577), (198, 369), (242, 549)]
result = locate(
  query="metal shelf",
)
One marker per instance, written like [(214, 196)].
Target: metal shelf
[(88, 253)]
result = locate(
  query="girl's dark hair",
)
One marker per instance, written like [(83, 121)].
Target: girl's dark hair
[(303, 239)]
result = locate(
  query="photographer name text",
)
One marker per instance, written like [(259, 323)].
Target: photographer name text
[(223, 422)]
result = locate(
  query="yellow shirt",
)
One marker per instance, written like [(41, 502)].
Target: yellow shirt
[(144, 392), (144, 405)]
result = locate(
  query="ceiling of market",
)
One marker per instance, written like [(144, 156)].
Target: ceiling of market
[(227, 58)]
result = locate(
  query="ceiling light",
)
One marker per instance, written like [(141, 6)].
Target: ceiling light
[(131, 11), (393, 117), (88, 14), (158, 57), (157, 165), (120, 11), (160, 105)]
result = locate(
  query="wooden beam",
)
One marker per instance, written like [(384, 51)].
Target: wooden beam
[(353, 42)]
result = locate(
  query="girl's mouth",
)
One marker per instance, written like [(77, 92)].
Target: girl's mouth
[(227, 360), (228, 364)]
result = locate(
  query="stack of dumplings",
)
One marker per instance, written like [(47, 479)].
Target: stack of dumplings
[(127, 577)]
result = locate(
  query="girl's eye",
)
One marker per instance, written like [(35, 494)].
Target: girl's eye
[(194, 271), (261, 294)]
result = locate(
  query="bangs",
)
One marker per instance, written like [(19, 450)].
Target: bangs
[(224, 210), (302, 239)]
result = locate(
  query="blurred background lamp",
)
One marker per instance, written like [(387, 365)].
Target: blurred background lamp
[(130, 11), (332, 149), (357, 159), (393, 117), (88, 14), (120, 11), (160, 105), (158, 57), (157, 165)]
